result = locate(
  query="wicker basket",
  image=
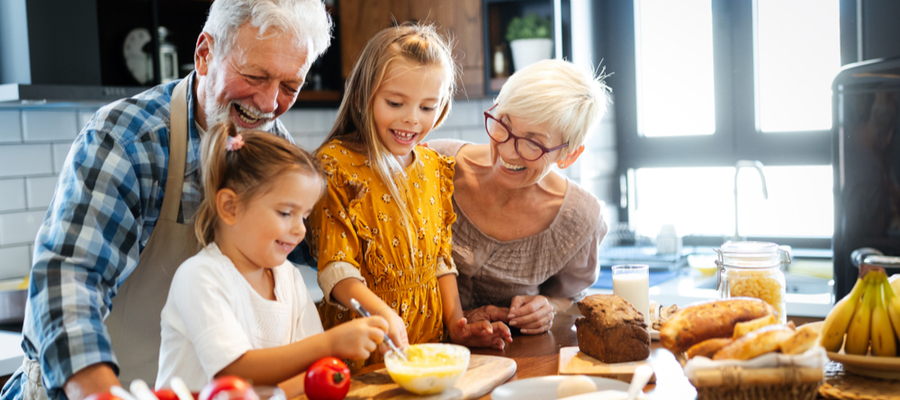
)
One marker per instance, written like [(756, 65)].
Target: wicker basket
[(735, 382)]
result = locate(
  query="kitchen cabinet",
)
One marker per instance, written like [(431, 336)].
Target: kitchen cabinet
[(461, 20), (92, 45)]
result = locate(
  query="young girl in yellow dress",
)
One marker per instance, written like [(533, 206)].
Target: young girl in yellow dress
[(381, 234)]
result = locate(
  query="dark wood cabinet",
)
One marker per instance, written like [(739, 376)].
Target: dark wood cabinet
[(460, 20)]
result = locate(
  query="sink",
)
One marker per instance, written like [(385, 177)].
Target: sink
[(794, 283)]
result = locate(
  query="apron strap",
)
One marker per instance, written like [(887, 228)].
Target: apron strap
[(177, 150)]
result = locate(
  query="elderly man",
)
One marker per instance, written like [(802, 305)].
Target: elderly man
[(119, 224)]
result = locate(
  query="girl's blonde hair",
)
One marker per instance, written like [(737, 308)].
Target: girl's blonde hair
[(417, 43), (249, 171)]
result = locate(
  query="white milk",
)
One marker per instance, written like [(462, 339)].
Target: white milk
[(635, 289)]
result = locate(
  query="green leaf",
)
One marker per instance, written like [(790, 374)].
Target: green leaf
[(531, 26)]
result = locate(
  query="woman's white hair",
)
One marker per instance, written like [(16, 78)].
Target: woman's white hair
[(558, 95), (305, 20)]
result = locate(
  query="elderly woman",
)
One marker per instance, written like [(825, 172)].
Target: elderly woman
[(525, 239)]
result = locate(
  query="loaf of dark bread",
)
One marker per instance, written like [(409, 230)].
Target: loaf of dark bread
[(612, 330)]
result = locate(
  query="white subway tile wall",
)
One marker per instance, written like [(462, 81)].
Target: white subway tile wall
[(16, 261), (60, 151), (10, 127), (20, 227), (39, 191), (49, 125), (12, 195), (25, 159), (34, 143)]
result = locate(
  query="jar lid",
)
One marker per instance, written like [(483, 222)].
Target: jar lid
[(749, 249), (750, 254)]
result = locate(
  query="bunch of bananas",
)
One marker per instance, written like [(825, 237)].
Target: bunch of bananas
[(869, 316)]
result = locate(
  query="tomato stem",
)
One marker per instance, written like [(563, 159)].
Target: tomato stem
[(338, 377)]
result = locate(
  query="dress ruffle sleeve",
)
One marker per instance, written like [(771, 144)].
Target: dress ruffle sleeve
[(336, 232), (446, 171)]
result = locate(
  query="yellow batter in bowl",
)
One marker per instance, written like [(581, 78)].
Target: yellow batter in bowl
[(432, 367)]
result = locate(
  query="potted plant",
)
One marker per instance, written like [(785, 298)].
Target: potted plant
[(529, 39)]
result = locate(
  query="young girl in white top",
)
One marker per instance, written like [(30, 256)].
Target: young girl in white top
[(239, 307)]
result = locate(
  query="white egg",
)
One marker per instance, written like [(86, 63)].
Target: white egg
[(575, 385)]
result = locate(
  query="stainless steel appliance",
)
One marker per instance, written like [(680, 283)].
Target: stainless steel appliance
[(866, 162)]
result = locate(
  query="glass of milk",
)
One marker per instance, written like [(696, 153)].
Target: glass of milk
[(632, 283)]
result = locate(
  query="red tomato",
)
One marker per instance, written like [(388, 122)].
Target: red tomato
[(236, 388), (103, 396), (327, 379), (166, 394)]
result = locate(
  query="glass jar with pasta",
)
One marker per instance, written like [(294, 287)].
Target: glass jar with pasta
[(753, 269)]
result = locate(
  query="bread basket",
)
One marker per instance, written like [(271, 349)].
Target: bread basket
[(768, 377)]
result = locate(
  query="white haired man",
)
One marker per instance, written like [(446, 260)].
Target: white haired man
[(120, 224)]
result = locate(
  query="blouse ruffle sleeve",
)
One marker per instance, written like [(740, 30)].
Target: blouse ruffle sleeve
[(335, 231)]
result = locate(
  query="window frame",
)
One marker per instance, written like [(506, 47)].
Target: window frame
[(737, 136)]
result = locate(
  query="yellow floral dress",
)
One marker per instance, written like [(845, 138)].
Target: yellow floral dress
[(356, 232)]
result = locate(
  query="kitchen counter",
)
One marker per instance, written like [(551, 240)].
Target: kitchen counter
[(538, 355), (807, 296)]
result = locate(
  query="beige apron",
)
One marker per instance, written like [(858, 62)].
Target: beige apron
[(134, 323)]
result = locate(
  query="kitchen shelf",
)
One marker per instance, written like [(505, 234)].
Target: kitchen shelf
[(497, 16)]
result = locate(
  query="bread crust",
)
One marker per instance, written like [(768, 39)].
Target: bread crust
[(804, 338), (612, 330), (743, 328), (756, 343), (708, 347), (712, 319)]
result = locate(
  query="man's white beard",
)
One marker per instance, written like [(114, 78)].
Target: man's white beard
[(216, 113)]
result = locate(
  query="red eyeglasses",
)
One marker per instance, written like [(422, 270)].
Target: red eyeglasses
[(525, 147)]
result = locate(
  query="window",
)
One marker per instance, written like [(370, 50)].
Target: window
[(668, 31), (712, 82), (798, 197), (798, 55)]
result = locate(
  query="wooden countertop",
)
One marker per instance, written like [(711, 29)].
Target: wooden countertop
[(538, 355)]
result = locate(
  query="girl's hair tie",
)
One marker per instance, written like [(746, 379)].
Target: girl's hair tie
[(234, 143)]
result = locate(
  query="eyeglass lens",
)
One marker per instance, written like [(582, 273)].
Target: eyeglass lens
[(524, 147)]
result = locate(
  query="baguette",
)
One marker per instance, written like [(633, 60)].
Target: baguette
[(743, 328), (708, 347), (756, 343), (804, 338), (712, 319)]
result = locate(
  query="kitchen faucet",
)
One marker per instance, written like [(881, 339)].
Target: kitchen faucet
[(762, 177)]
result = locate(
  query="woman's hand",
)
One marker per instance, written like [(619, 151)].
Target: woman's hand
[(480, 334), (531, 314), (396, 330), (488, 313), (357, 338)]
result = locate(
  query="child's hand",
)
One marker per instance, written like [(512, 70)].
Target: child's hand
[(480, 334), (488, 313), (396, 331), (356, 339)]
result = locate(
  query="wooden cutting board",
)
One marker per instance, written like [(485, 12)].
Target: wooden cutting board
[(483, 375), (574, 362)]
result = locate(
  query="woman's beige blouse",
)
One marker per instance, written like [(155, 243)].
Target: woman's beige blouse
[(558, 262)]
